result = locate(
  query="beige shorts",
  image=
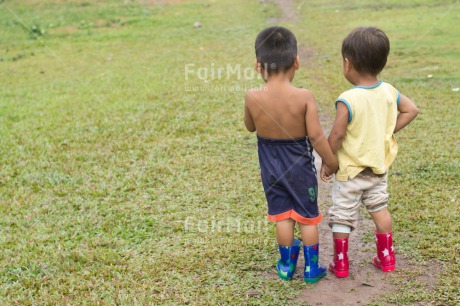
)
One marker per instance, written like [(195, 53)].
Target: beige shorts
[(367, 188)]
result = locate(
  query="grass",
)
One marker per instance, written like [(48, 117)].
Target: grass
[(121, 184)]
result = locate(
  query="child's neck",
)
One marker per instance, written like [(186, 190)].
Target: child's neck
[(279, 78), (365, 80)]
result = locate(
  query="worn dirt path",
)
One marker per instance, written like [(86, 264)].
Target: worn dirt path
[(365, 284)]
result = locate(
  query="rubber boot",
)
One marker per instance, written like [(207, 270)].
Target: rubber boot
[(288, 262), (339, 264), (385, 259), (313, 270)]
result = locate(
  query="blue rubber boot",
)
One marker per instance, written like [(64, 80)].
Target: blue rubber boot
[(288, 262), (313, 270)]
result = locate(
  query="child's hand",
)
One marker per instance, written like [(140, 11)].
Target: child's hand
[(325, 173)]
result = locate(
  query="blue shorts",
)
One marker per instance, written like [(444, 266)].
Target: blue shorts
[(289, 179)]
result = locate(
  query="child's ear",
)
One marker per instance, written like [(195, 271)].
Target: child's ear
[(347, 65), (257, 66), (297, 63)]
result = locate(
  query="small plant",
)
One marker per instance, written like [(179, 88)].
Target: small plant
[(37, 30)]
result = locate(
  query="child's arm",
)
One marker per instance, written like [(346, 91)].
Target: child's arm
[(336, 137), (407, 112), (248, 120), (339, 129), (316, 135)]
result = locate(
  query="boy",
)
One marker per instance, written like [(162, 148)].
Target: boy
[(363, 140), (283, 117)]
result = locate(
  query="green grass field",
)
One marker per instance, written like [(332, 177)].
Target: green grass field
[(126, 181)]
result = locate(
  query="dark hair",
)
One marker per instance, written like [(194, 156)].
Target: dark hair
[(367, 49), (276, 49)]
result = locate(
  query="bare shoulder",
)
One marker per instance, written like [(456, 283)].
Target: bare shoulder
[(306, 96), (308, 93), (252, 95), (253, 92)]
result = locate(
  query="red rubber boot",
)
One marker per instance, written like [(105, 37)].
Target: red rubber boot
[(385, 259), (339, 265)]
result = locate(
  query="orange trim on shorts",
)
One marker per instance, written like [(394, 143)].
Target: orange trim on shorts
[(291, 214)]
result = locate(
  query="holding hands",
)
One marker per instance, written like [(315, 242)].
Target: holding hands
[(326, 173)]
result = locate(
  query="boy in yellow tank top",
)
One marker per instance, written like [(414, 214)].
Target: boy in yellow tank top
[(363, 140)]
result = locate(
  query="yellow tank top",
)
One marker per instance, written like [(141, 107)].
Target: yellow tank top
[(369, 140)]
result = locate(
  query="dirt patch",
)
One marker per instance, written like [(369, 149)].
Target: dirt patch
[(307, 56), (288, 11)]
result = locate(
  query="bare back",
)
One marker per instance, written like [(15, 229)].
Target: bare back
[(279, 111)]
